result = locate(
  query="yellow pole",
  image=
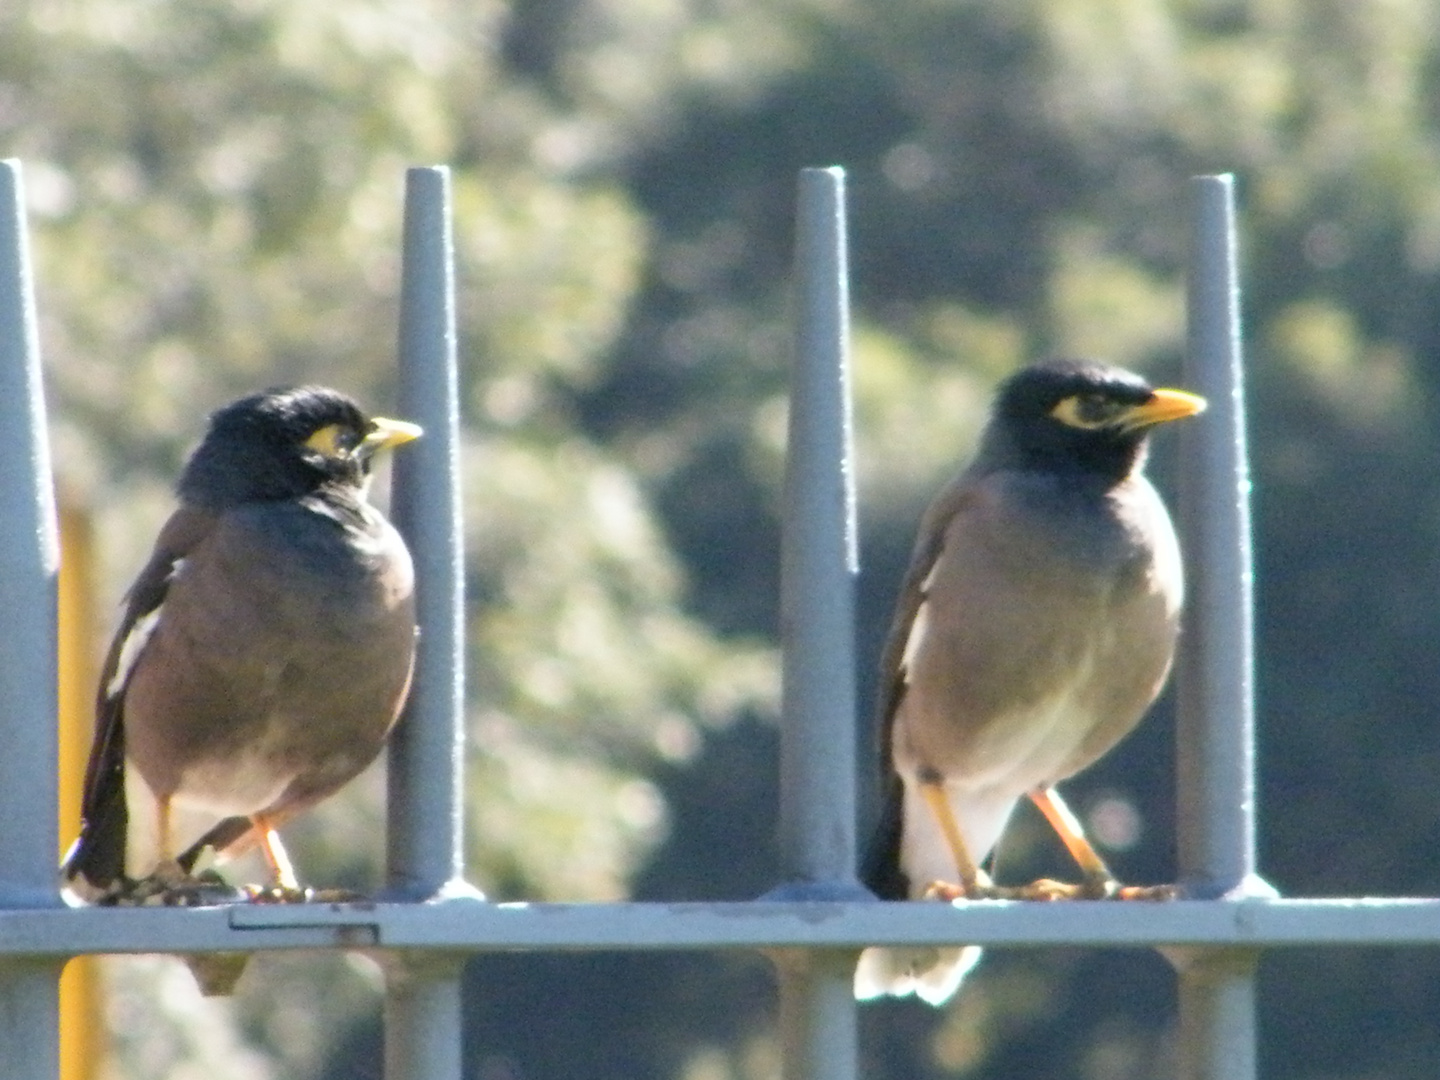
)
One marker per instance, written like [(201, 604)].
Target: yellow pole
[(82, 1041)]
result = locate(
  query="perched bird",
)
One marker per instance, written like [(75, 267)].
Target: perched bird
[(1035, 625), (265, 650)]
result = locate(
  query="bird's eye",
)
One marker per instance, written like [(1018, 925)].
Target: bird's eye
[(1088, 410), (334, 440)]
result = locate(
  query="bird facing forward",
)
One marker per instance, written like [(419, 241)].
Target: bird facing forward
[(1035, 626), (265, 651)]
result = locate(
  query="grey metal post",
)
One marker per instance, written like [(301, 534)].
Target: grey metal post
[(423, 1017), (818, 567), (818, 1030), (1216, 671), (427, 754), (1216, 737), (1217, 1039), (425, 842), (29, 573)]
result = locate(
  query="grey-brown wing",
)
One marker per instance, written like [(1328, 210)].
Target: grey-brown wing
[(929, 544), (99, 853), (880, 870)]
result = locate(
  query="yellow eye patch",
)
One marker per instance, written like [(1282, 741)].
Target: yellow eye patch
[(333, 440), (1089, 411)]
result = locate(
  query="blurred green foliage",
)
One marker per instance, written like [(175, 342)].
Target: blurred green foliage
[(214, 191)]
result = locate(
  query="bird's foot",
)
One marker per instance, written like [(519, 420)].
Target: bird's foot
[(1044, 889), (337, 896), (298, 894), (167, 874), (1148, 893), (116, 894), (202, 890), (275, 893), (169, 886), (949, 891), (1048, 890)]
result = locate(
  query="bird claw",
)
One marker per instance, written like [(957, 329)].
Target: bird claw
[(945, 891), (277, 894), (1149, 893), (985, 889), (1048, 890), (298, 894), (199, 893), (950, 891), (336, 896), (208, 889), (169, 886)]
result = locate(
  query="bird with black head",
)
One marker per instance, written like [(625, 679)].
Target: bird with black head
[(264, 653), (1035, 625)]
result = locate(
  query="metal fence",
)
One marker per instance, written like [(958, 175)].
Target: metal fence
[(429, 920)]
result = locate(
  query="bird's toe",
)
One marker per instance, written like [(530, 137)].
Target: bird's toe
[(1048, 890), (982, 888), (945, 891), (278, 894), (1152, 893)]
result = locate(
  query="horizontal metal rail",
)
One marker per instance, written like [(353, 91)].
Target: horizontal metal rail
[(477, 926)]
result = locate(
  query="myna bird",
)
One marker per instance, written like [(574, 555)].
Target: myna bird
[(265, 651), (1035, 625)]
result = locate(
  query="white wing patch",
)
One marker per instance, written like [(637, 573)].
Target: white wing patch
[(919, 625), (130, 651), (136, 639)]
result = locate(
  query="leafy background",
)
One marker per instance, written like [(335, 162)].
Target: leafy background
[(215, 206)]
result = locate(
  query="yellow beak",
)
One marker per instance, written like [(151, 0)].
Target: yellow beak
[(1163, 406), (389, 434)]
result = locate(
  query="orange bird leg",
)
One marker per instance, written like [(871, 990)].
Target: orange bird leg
[(163, 840), (167, 869), (282, 871), (1098, 878), (971, 883)]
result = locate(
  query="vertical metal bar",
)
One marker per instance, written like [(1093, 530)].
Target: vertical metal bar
[(29, 575), (1217, 1016), (1216, 670), (818, 1030), (427, 755), (818, 556), (423, 1018), (818, 567), (425, 842), (1215, 737), (29, 679), (30, 1019)]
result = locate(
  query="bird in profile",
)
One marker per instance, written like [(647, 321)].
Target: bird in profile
[(264, 654), (1035, 626)]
